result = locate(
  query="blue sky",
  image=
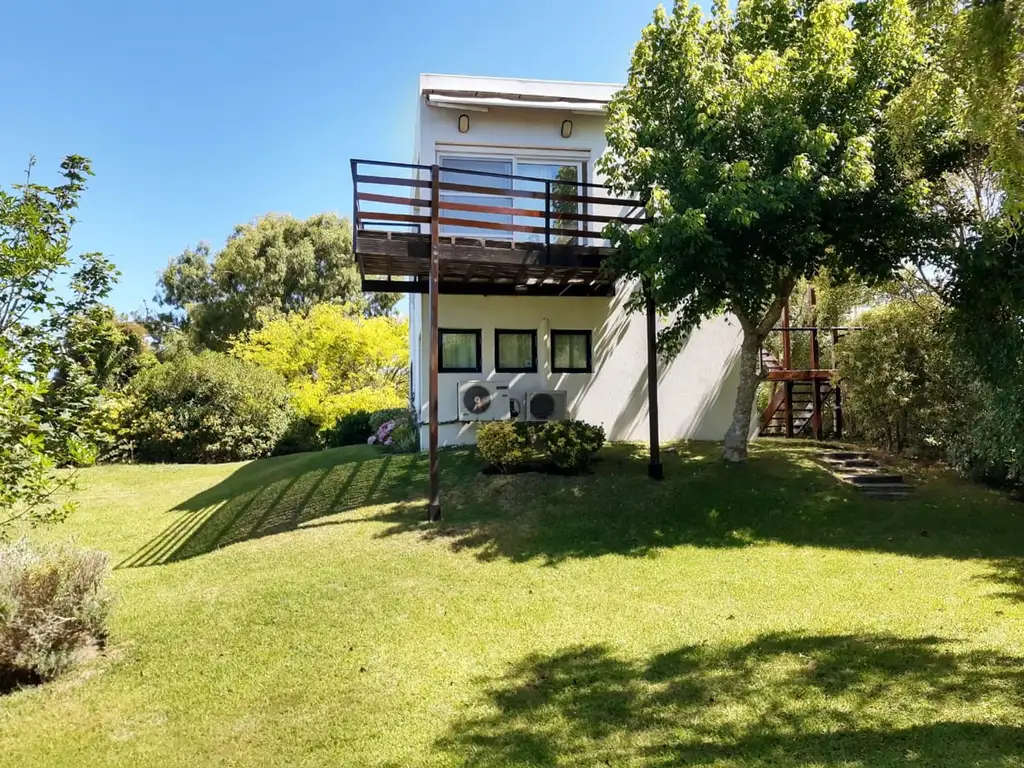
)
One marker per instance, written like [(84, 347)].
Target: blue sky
[(199, 114)]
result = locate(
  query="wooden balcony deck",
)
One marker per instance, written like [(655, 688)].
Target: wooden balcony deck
[(546, 243)]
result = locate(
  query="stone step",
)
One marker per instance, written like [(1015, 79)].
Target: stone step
[(878, 478), (887, 495), (860, 464), (844, 455), (883, 487)]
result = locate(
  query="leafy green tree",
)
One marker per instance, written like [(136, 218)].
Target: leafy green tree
[(38, 423), (970, 87), (335, 361), (277, 264), (759, 140)]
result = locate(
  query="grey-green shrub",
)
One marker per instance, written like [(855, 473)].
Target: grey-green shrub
[(503, 444), (53, 603), (903, 387), (571, 444), (206, 408)]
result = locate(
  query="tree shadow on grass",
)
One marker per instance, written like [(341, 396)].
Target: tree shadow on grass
[(264, 498), (780, 699), (780, 496)]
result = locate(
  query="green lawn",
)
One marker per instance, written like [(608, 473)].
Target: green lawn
[(298, 612)]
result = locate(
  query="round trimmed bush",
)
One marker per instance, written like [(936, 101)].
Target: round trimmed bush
[(571, 444), (351, 429), (504, 444)]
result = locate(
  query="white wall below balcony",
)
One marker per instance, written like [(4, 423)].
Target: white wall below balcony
[(696, 389)]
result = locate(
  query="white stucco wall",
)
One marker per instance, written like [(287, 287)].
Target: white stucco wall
[(697, 389)]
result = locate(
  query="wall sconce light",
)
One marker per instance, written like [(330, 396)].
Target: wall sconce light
[(566, 129), (463, 123)]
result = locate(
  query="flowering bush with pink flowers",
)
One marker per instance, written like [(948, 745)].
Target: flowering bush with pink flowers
[(398, 433)]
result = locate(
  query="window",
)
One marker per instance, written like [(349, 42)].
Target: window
[(564, 177), (515, 351), (458, 351), (571, 352)]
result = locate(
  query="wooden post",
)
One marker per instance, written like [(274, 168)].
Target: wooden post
[(655, 470), (838, 389), (434, 503), (786, 363), (839, 412), (815, 384)]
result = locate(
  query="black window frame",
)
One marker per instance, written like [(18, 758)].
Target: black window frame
[(589, 335), (519, 332), (442, 368)]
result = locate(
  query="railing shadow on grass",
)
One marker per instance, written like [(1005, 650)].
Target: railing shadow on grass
[(273, 496), (779, 699)]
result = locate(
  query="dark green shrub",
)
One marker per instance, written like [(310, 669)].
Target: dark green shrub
[(571, 444), (351, 429), (405, 437), (53, 604), (206, 408), (504, 444), (301, 436)]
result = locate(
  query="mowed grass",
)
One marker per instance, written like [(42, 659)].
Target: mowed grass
[(299, 612)]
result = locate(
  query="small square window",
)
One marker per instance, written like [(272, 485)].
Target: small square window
[(571, 352), (515, 351), (458, 350)]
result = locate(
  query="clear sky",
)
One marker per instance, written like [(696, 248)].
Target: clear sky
[(199, 114)]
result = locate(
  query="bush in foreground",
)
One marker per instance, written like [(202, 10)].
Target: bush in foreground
[(53, 604), (571, 444), (504, 444)]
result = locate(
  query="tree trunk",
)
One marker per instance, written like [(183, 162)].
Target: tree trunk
[(735, 447), (754, 333)]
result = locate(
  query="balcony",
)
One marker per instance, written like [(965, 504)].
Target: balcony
[(493, 234)]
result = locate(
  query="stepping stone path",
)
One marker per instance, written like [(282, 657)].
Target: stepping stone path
[(859, 469)]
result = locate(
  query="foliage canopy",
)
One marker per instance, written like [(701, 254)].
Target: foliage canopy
[(760, 142), (335, 360), (276, 264)]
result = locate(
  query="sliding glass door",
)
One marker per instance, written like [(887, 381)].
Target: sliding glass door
[(564, 178)]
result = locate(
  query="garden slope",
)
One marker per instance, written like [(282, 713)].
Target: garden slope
[(296, 611)]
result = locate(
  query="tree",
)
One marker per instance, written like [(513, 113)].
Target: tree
[(38, 427), (759, 141), (334, 360), (971, 85), (277, 264)]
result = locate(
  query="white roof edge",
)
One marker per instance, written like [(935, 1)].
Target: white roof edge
[(483, 103), (519, 87)]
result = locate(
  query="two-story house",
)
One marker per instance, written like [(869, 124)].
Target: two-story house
[(504, 193)]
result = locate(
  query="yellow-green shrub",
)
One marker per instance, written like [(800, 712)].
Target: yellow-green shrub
[(571, 444), (504, 444)]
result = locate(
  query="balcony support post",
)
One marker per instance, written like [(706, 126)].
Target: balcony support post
[(434, 502)]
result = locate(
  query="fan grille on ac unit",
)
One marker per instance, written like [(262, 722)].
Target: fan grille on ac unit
[(476, 399), (542, 407)]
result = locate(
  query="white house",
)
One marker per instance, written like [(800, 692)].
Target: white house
[(525, 310)]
